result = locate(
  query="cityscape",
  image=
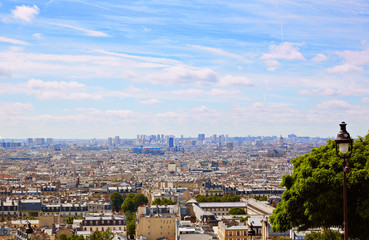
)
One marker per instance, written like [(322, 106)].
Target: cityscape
[(47, 181), (184, 120)]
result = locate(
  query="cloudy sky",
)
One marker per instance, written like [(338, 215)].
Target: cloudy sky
[(85, 68)]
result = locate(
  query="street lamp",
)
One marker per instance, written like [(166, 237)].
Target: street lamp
[(343, 150)]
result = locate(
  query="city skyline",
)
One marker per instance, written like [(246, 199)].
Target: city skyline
[(78, 69)]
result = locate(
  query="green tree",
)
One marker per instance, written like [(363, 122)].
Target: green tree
[(75, 237), (236, 211), (263, 198), (69, 220), (140, 199), (117, 200), (213, 199), (156, 201), (325, 235), (201, 198), (166, 201), (133, 201), (313, 195), (128, 205), (95, 236), (235, 199), (129, 216), (227, 198), (107, 234), (63, 236), (131, 228)]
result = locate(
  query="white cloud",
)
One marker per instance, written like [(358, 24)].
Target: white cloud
[(52, 85), (25, 13), (345, 68), (353, 61), (87, 32), (187, 75), (49, 90), (285, 51), (14, 109), (334, 104), (272, 64), (182, 74), (230, 80), (319, 58), (13, 41), (150, 101), (212, 92), (37, 35), (221, 52), (365, 100)]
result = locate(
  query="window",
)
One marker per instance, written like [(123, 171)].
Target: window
[(238, 233)]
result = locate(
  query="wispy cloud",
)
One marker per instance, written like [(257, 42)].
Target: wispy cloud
[(284, 51), (13, 41), (353, 61), (334, 104), (211, 92), (25, 13), (87, 32), (43, 90), (14, 108), (150, 101), (319, 58), (221, 52), (37, 35), (345, 68)]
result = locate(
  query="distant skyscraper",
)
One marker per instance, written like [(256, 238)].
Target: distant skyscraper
[(214, 138), (201, 137), (171, 142), (110, 141), (117, 140), (49, 141), (29, 141), (40, 141)]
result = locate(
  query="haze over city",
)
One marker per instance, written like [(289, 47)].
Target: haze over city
[(84, 69)]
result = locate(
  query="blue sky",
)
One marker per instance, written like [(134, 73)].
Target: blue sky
[(84, 69)]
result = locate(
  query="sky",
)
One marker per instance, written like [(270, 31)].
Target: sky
[(99, 69)]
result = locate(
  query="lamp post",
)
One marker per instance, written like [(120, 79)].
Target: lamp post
[(343, 150)]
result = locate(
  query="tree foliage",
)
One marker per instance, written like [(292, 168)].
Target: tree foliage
[(130, 206), (236, 211), (117, 200), (225, 198), (106, 235), (133, 201), (325, 235), (70, 219), (131, 228), (313, 195), (163, 201)]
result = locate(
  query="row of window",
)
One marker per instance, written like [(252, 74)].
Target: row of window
[(101, 229), (237, 233), (102, 222)]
